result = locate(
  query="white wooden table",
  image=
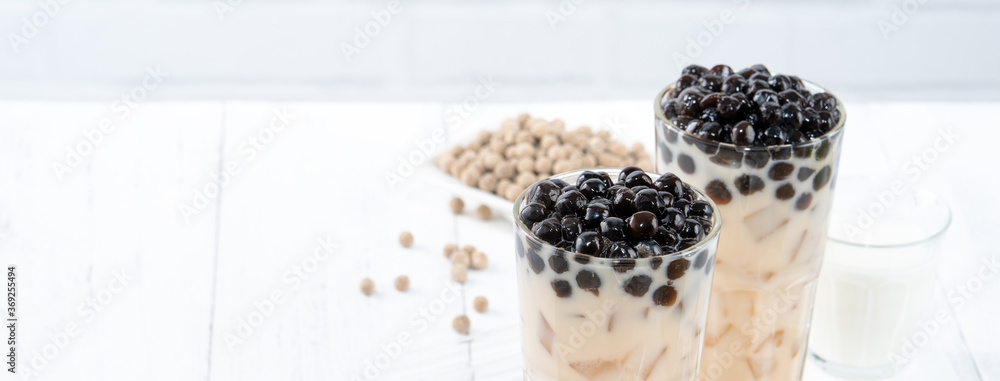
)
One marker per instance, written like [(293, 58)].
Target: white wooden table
[(243, 288)]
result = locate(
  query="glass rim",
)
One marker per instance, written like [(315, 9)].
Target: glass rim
[(928, 238), (836, 130), (709, 236)]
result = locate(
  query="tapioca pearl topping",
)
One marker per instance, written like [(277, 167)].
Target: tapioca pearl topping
[(648, 219), (778, 107)]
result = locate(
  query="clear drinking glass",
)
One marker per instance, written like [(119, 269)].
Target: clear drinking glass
[(878, 278), (775, 204), (616, 319)]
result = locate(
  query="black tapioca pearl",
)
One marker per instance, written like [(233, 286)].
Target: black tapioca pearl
[(665, 296), (638, 285), (756, 158), (672, 219), (648, 200), (665, 154), (700, 208), (581, 259), (559, 183), (519, 247), (588, 281), (623, 265), (692, 230), (748, 184), (802, 152), (781, 152), (623, 202), (709, 148), (822, 177), (536, 263), (571, 228), (593, 188), (558, 263), (780, 171), (785, 192), (686, 163), (822, 150), (804, 173), (655, 262), (532, 213), (667, 237), (648, 248), (669, 182), (638, 178), (728, 157), (549, 230), (642, 225), (571, 203), (562, 288), (671, 136), (613, 228), (718, 192), (594, 214), (700, 259), (803, 201), (676, 269), (589, 243)]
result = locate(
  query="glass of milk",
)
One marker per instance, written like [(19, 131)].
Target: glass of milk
[(878, 276)]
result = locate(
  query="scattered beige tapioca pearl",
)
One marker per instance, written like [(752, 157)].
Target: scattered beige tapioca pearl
[(479, 260), (588, 161), (457, 205), (524, 137), (483, 136), (513, 191), (510, 124), (402, 283), (459, 273), (469, 249), (604, 134), (406, 239), (469, 178), (504, 170), (523, 117), (596, 144), (449, 249), (461, 324), (511, 152), (484, 212), (558, 125), (617, 148), (367, 286), (481, 304), (548, 141), (460, 258), (490, 159), (584, 131)]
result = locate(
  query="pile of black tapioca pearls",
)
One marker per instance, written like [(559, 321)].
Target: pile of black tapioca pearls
[(631, 218), (750, 107)]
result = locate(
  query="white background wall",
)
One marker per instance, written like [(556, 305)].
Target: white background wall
[(436, 50)]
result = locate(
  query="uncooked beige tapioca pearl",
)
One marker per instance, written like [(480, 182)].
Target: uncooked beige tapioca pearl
[(443, 161), (490, 159), (617, 148), (548, 141), (461, 324), (525, 179), (523, 117), (588, 161), (543, 165), (511, 152), (457, 205), (501, 186), (402, 283), (498, 145), (524, 137), (469, 177), (468, 155), (607, 160), (455, 168), (505, 170), (487, 182), (367, 286), (479, 260), (645, 164), (449, 249), (460, 258), (596, 144), (525, 150), (584, 131), (512, 192), (469, 249), (558, 125), (553, 152), (483, 136), (406, 239), (481, 304), (509, 124), (604, 135), (636, 148), (474, 145), (484, 213), (457, 151), (459, 273), (561, 166), (525, 165)]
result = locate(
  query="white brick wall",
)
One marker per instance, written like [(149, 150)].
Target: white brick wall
[(436, 49)]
